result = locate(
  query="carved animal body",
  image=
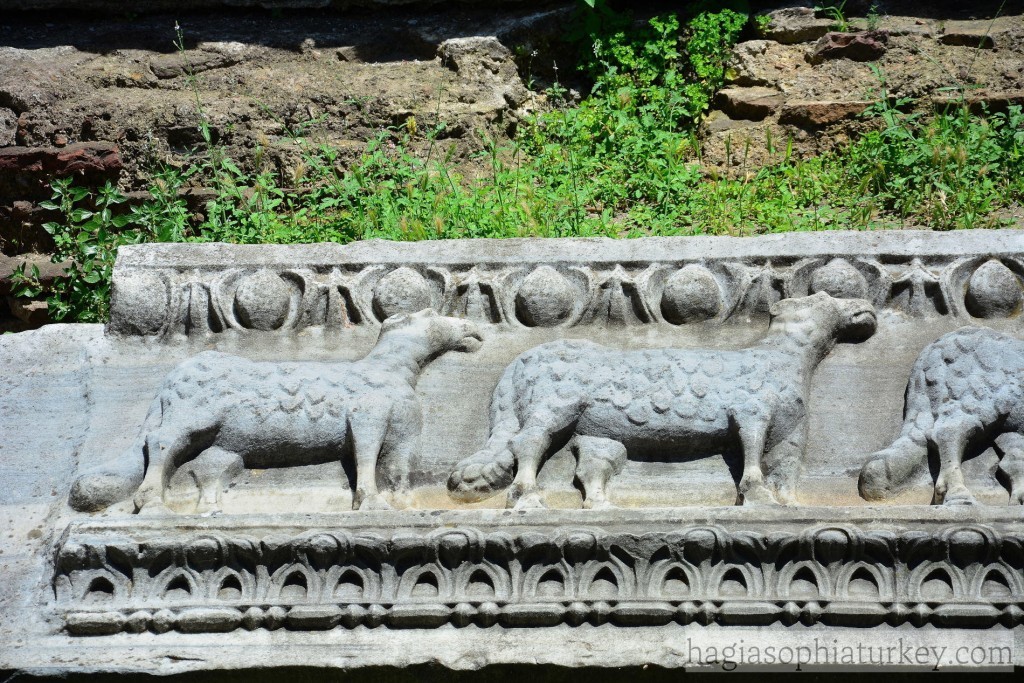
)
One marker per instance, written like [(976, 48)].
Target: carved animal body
[(606, 403), (225, 413), (965, 387)]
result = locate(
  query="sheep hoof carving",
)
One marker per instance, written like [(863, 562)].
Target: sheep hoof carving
[(605, 403), (964, 390), (222, 413)]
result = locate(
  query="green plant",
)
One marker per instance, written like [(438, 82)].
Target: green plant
[(26, 283), (873, 18), (834, 11), (88, 237)]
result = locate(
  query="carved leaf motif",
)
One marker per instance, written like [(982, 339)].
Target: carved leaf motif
[(322, 550), (580, 545), (704, 543), (455, 547), (499, 546), (370, 546), (72, 556), (917, 546), (1012, 548), (748, 546), (205, 552), (783, 544), (970, 544), (408, 545), (534, 546), (160, 553), (244, 551), (880, 546)]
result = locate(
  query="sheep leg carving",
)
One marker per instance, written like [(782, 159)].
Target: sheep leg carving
[(753, 433), (950, 489), (528, 447), (212, 471), (163, 448), (597, 459), (782, 464), (1011, 464), (368, 431)]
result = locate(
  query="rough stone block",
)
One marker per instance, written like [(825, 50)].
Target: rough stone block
[(814, 115), (796, 25), (866, 46), (754, 104)]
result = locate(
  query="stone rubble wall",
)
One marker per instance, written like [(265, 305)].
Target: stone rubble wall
[(804, 84)]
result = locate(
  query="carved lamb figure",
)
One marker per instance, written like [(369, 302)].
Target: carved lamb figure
[(228, 412), (605, 402), (965, 388)]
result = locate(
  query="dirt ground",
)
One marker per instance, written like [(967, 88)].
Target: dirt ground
[(110, 97)]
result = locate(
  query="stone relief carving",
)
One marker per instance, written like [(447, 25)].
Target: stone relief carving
[(838, 575), (160, 301), (964, 388), (681, 397), (225, 412), (606, 402)]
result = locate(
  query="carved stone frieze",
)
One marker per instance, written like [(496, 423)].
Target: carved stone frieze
[(275, 456), (959, 575), (516, 283)]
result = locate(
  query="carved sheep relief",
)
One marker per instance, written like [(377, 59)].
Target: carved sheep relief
[(542, 433)]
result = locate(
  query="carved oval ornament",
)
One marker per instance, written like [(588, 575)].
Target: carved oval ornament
[(403, 290), (839, 278), (262, 300), (545, 298), (993, 291), (691, 294)]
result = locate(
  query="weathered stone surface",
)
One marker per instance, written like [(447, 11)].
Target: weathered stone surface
[(796, 25), (978, 33), (866, 46), (338, 77), (896, 25), (48, 270), (190, 61), (813, 115), (27, 171), (980, 101), (29, 311), (754, 103), (8, 126), (483, 62)]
